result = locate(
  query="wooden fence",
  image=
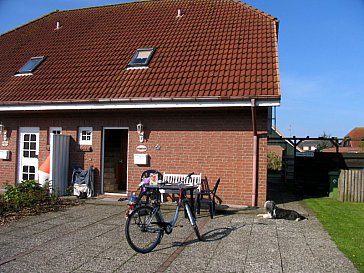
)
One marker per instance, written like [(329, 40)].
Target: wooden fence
[(351, 186)]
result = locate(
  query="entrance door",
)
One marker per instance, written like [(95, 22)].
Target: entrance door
[(28, 153), (115, 160)]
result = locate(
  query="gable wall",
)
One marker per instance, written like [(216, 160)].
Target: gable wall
[(215, 143)]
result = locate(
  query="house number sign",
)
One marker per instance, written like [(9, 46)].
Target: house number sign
[(141, 148)]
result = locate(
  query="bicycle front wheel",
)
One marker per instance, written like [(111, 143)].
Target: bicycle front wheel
[(142, 230), (192, 219)]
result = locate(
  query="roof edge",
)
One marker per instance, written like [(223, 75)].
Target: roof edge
[(143, 99), (67, 10), (136, 103), (30, 22), (258, 10), (276, 57), (104, 6)]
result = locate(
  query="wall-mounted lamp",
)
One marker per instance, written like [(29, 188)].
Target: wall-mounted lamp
[(4, 132), (140, 131)]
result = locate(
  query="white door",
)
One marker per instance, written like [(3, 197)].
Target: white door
[(28, 153)]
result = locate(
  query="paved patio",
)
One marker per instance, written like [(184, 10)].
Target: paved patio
[(90, 238)]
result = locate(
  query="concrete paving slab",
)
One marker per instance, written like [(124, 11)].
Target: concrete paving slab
[(90, 238), (143, 263), (24, 267)]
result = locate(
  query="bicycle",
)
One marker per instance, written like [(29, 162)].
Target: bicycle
[(145, 226)]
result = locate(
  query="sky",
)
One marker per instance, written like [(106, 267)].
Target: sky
[(321, 58)]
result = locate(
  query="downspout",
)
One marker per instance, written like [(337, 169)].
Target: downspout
[(255, 154)]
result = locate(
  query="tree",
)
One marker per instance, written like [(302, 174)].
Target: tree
[(361, 145), (324, 144)]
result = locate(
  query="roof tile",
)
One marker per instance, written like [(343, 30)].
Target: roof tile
[(219, 48)]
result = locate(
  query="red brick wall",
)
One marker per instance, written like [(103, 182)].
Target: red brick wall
[(216, 143), (7, 167)]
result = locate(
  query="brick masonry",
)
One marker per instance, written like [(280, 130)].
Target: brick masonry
[(214, 142)]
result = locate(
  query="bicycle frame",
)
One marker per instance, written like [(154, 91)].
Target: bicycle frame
[(153, 217), (172, 223), (176, 214), (181, 203)]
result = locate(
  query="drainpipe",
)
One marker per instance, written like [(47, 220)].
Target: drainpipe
[(255, 154)]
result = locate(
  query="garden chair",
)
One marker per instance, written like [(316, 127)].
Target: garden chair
[(148, 173), (83, 182), (210, 200)]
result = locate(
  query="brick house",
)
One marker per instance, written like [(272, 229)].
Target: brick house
[(200, 76), (355, 139)]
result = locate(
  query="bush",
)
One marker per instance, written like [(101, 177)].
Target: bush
[(274, 162), (28, 194)]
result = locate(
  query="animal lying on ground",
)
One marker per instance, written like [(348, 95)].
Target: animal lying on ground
[(274, 212)]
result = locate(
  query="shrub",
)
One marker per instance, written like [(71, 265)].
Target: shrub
[(28, 194), (274, 162)]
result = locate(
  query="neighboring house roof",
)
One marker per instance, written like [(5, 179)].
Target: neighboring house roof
[(356, 135), (344, 150), (309, 143), (276, 137), (219, 50)]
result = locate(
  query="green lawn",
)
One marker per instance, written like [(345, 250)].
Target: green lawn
[(345, 224)]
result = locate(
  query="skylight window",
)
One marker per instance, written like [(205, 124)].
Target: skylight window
[(142, 57), (31, 65)]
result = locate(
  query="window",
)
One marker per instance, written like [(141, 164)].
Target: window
[(85, 135), (30, 146), (28, 173), (54, 131), (31, 65), (142, 57)]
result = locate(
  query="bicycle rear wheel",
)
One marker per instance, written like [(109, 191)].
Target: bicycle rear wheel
[(142, 230), (192, 219)]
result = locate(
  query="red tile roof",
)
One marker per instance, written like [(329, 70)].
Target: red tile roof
[(344, 150), (218, 48), (355, 137)]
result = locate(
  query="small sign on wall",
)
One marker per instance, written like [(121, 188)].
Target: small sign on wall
[(141, 159), (141, 148), (4, 154)]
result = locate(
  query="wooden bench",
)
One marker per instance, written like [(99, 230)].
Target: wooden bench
[(177, 178)]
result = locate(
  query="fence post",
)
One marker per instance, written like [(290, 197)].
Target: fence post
[(340, 187)]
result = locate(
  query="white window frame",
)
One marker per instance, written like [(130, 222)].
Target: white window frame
[(85, 139), (28, 161), (51, 132)]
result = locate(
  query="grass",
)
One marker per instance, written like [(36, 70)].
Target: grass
[(345, 224)]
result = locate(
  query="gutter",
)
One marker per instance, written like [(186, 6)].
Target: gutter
[(137, 103), (255, 154)]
